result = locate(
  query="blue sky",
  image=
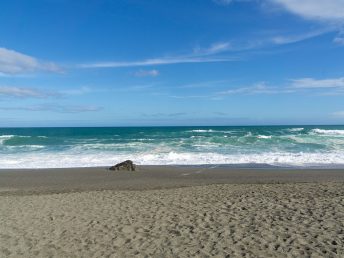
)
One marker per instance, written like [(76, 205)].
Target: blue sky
[(171, 62)]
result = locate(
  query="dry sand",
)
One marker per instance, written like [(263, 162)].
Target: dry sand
[(190, 216)]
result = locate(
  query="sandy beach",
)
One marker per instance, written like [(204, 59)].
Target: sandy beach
[(165, 211)]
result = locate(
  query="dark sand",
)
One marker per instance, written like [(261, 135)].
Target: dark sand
[(162, 211), (152, 177)]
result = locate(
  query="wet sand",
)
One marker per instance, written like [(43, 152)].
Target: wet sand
[(40, 181), (164, 211)]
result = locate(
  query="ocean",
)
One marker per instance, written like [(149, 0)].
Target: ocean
[(243, 146)]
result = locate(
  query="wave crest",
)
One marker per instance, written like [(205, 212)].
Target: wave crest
[(295, 129), (264, 136), (202, 131), (328, 132)]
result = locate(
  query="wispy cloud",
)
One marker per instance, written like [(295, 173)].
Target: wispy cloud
[(198, 55), (27, 92), (258, 88), (158, 61), (215, 48), (132, 88), (189, 96), (219, 113), (223, 2), (339, 39), (329, 15), (323, 10), (206, 84), (338, 114), (177, 114), (9, 91), (54, 108), (287, 39), (311, 83), (77, 91), (147, 73), (75, 109), (330, 86), (12, 63)]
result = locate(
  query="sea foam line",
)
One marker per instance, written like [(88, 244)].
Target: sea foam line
[(65, 160)]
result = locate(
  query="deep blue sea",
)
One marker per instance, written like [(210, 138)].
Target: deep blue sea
[(285, 146)]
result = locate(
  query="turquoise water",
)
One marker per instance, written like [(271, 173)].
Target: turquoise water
[(284, 146)]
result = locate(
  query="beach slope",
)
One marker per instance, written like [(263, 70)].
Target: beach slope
[(172, 212)]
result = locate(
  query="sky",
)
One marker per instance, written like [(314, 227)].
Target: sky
[(171, 62)]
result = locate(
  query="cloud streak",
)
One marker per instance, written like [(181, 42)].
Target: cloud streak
[(258, 88), (311, 83), (157, 61), (338, 114), (329, 12), (223, 2), (18, 92), (214, 48), (177, 114), (13, 63), (219, 52), (199, 55), (331, 86), (147, 73), (323, 10), (339, 39), (205, 84), (57, 108), (281, 40)]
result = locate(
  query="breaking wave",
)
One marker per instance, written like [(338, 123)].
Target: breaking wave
[(82, 147), (328, 132), (60, 160)]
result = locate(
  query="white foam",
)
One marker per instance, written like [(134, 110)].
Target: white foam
[(249, 134), (295, 129), (202, 131), (207, 145), (264, 136), (328, 132), (211, 131), (65, 160)]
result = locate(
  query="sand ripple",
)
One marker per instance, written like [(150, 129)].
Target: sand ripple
[(266, 220)]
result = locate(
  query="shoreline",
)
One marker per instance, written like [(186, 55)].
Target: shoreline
[(243, 166), (254, 166), (62, 180)]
